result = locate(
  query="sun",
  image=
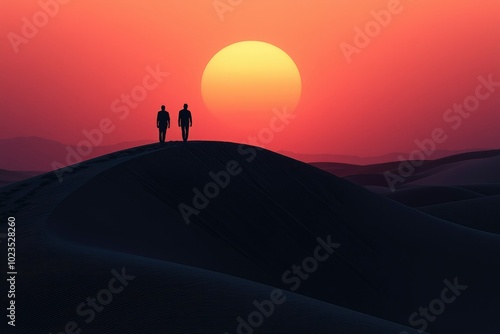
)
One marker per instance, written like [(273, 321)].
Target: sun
[(247, 80)]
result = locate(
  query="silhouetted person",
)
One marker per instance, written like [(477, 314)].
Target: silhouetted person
[(162, 123), (185, 121)]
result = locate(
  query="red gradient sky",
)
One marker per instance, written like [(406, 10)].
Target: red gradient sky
[(396, 90)]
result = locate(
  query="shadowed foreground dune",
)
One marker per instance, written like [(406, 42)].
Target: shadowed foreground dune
[(348, 260)]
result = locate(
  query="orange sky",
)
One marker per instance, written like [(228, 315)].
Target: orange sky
[(66, 76)]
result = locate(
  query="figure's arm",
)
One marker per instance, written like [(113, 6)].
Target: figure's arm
[(168, 121), (190, 120), (179, 119)]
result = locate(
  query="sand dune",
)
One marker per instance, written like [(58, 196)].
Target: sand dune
[(462, 189), (8, 176), (122, 210), (457, 188), (35, 153), (482, 213), (430, 195), (477, 171)]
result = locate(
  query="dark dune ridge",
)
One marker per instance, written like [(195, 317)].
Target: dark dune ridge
[(482, 214), (467, 168), (8, 176), (122, 210), (40, 154), (463, 188)]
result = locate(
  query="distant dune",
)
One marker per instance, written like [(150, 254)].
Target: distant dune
[(365, 160), (373, 174), (462, 188), (8, 176), (122, 210), (35, 153)]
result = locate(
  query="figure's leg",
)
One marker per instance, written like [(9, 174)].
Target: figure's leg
[(187, 132), (159, 136)]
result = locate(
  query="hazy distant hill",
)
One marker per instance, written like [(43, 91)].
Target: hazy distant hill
[(39, 154), (356, 160)]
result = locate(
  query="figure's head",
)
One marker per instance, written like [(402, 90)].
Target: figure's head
[(185, 106), (162, 107)]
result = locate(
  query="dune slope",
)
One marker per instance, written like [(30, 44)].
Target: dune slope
[(390, 259)]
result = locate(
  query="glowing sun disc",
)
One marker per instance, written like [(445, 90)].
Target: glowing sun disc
[(249, 79)]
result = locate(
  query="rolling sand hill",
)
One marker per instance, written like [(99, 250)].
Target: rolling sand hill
[(381, 260), (464, 188), (8, 176), (39, 154)]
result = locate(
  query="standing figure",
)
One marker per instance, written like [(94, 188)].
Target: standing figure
[(162, 123), (185, 122)]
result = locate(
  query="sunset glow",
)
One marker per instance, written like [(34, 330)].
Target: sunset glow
[(363, 78)]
